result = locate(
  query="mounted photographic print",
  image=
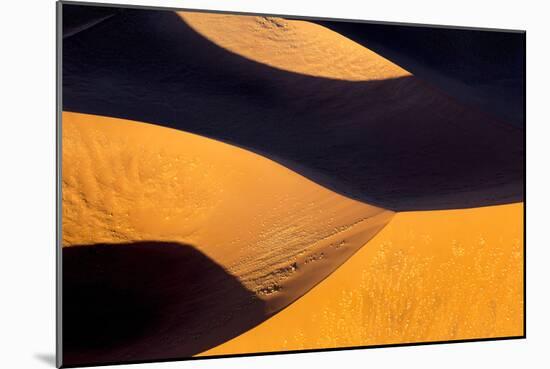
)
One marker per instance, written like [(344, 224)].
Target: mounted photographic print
[(241, 184)]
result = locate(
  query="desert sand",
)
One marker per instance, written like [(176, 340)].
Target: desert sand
[(427, 276), (485, 70), (292, 45), (133, 185), (331, 110), (230, 186)]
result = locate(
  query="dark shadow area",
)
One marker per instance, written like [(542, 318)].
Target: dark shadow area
[(483, 68), (75, 20), (48, 359), (148, 300), (400, 144)]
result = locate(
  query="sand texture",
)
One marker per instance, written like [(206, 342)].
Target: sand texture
[(242, 184), (427, 276), (277, 233), (331, 110), (292, 45)]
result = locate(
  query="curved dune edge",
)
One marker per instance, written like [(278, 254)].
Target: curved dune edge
[(427, 276), (293, 45), (278, 233), (437, 154)]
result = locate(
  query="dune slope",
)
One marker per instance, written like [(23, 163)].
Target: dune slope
[(149, 300), (427, 276), (274, 232), (302, 95), (482, 68), (296, 46)]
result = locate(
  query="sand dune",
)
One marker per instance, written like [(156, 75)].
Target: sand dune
[(149, 300), (295, 46), (463, 62), (427, 276), (341, 116), (272, 231), (244, 173)]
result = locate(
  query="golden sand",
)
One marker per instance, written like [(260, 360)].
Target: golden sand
[(427, 276), (293, 45), (276, 231)]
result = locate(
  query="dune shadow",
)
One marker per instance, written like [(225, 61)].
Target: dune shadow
[(397, 143), (75, 20), (148, 300), (483, 68)]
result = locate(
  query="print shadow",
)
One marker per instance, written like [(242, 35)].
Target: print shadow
[(148, 300), (48, 359), (396, 143)]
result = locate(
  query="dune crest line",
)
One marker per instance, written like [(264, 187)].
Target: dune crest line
[(396, 142)]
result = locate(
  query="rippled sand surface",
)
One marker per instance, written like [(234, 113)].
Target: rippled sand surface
[(276, 232), (427, 276), (302, 95), (185, 232), (293, 45)]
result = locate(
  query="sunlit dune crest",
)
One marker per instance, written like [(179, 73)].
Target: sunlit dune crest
[(397, 143), (427, 276), (276, 231), (293, 45)]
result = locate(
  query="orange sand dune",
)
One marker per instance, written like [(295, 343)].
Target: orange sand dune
[(299, 94), (296, 46), (255, 236), (427, 276), (276, 232)]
